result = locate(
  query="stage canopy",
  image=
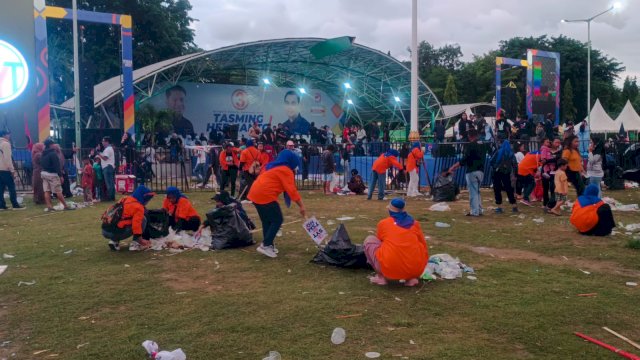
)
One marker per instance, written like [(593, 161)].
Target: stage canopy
[(600, 120), (629, 118), (379, 84)]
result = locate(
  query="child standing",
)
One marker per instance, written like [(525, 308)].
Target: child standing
[(98, 178), (87, 181), (562, 185)]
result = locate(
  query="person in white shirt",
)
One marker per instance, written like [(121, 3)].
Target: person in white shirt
[(108, 163), (201, 161), (7, 172)]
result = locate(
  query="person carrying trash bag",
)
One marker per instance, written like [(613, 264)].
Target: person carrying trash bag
[(278, 178), (127, 217), (182, 215), (398, 250), (590, 215)]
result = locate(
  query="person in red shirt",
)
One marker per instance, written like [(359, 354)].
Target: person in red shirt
[(278, 178), (414, 160), (87, 181), (182, 215), (229, 163), (398, 251), (250, 165), (379, 172), (132, 222)]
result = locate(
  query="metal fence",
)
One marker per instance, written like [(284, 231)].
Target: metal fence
[(161, 167)]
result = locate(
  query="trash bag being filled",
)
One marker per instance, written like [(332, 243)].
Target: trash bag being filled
[(341, 252), (444, 188), (228, 230), (157, 223)]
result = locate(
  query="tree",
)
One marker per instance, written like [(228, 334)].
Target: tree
[(153, 121), (450, 93), (568, 109), (630, 89)]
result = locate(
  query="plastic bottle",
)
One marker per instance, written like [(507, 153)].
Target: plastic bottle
[(338, 336), (273, 355)]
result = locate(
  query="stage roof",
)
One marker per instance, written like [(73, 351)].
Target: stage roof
[(376, 78)]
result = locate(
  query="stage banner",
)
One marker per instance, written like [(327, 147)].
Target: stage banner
[(203, 108)]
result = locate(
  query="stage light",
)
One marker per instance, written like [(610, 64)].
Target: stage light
[(397, 99), (302, 90), (349, 101), (347, 85), (266, 81)]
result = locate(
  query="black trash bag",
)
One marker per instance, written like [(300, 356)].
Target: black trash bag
[(228, 230), (157, 223), (632, 175), (615, 180), (444, 188), (341, 252)]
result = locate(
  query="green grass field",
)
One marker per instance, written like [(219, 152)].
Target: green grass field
[(237, 304)]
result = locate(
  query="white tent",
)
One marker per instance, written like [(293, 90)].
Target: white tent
[(600, 120), (629, 118)]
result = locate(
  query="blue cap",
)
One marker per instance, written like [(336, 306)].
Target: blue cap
[(398, 203)]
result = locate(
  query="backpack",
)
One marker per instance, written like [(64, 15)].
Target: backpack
[(112, 216)]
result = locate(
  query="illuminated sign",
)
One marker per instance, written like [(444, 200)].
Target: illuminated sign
[(14, 74)]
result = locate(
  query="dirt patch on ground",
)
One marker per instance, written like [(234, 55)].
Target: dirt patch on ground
[(524, 255)]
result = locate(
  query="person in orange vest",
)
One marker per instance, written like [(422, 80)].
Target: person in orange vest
[(277, 179), (379, 172), (229, 164), (251, 166), (133, 221), (590, 215), (182, 215), (414, 160), (266, 155), (527, 169), (398, 251)]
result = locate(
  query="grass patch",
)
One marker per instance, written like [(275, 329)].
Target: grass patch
[(237, 304)]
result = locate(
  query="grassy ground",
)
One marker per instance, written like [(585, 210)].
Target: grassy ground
[(237, 304)]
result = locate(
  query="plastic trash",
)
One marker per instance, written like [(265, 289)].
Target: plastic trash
[(631, 283), (538, 220), (472, 278), (338, 336), (345, 218), (441, 206), (372, 355), (152, 350), (273, 355), (632, 227), (27, 283), (3, 268), (8, 256), (442, 225)]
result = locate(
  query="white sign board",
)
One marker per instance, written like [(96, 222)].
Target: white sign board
[(313, 227)]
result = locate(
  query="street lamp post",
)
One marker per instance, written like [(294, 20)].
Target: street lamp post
[(414, 135), (615, 6)]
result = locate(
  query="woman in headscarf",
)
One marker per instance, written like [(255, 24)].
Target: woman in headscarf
[(590, 215), (379, 172), (132, 222), (414, 160), (36, 180), (278, 178), (182, 215), (398, 251), (504, 166)]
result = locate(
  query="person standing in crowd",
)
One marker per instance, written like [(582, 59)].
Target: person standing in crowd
[(569, 130), (279, 178), (330, 136), (250, 165), (175, 147), (52, 176), (7, 172), (590, 215), (575, 169), (504, 166), (474, 160), (439, 131), (549, 152), (36, 179), (414, 160), (540, 133), (127, 149), (464, 125), (229, 163), (87, 181), (527, 169), (268, 137), (521, 151), (548, 126), (264, 157), (108, 163), (201, 162), (595, 164), (398, 250), (132, 222), (182, 215), (562, 186), (503, 128), (98, 179), (379, 172), (254, 132), (328, 168)]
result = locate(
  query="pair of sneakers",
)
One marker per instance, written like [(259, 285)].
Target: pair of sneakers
[(15, 208), (134, 246), (270, 251)]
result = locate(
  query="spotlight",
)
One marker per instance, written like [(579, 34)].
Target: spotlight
[(347, 85), (397, 99), (302, 90), (349, 101), (266, 81)]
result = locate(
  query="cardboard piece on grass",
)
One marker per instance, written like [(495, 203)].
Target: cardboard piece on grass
[(315, 230)]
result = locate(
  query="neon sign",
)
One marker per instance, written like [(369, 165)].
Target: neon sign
[(14, 73)]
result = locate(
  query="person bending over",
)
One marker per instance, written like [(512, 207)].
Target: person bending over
[(379, 172), (132, 222), (398, 251), (182, 215)]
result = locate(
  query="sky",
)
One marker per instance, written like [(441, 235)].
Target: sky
[(476, 25)]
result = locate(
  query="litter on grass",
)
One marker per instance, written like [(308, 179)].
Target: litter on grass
[(153, 351), (441, 206), (182, 240), (538, 220), (273, 355), (445, 266), (338, 336), (372, 355), (8, 256), (618, 206), (442, 225), (345, 218), (27, 283), (3, 268), (631, 284)]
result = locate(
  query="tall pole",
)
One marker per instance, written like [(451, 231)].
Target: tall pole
[(414, 135), (589, 74), (76, 76)]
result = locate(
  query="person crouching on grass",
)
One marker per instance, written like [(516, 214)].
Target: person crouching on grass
[(132, 222), (278, 178), (398, 251), (182, 215)]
